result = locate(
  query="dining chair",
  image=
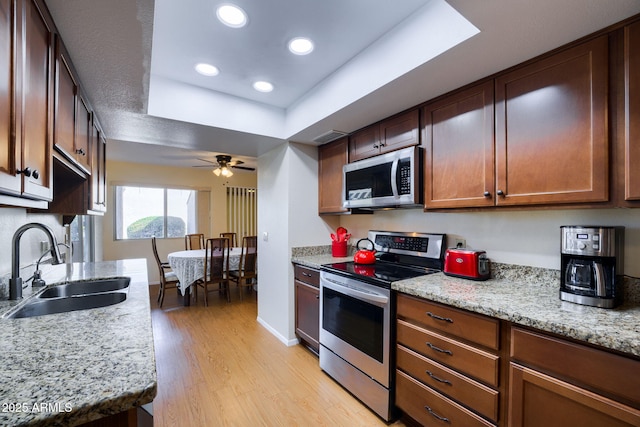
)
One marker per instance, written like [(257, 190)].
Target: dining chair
[(194, 241), (233, 241), (246, 273), (216, 268), (168, 279)]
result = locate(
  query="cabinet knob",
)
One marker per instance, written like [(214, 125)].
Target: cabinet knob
[(81, 151), (500, 193), (487, 194), (36, 174), (26, 172), (376, 146)]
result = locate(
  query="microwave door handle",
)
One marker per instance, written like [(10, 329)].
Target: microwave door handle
[(394, 177)]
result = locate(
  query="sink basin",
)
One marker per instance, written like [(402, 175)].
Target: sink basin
[(86, 287), (42, 306)]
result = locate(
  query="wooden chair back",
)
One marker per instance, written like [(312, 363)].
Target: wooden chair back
[(248, 256), (168, 279), (194, 241), (216, 266), (233, 241)]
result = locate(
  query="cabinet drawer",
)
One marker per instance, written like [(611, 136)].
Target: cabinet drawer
[(594, 368), (478, 397), (462, 357), (472, 327), (307, 275), (429, 407)]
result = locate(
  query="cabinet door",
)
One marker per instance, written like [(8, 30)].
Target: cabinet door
[(83, 130), (399, 132), (632, 128), (364, 143), (308, 314), (551, 129), (37, 106), (99, 173), (66, 88), (10, 182), (458, 135), (331, 158), (538, 400)]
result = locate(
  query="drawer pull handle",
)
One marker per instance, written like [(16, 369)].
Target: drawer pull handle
[(435, 316), (433, 347), (306, 274), (436, 416), (438, 379)]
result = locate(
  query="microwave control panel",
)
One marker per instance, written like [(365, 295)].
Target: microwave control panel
[(404, 167)]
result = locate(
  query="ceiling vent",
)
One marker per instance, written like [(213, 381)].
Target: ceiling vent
[(329, 136)]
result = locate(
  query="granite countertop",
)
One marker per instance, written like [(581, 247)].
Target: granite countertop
[(525, 296), (69, 368)]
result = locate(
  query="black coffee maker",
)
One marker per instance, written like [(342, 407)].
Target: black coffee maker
[(591, 265)]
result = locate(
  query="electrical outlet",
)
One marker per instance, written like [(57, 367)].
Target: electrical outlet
[(44, 246), (459, 243)]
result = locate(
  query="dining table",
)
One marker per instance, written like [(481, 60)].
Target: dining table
[(189, 267)]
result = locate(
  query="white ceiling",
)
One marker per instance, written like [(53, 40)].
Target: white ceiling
[(373, 58)]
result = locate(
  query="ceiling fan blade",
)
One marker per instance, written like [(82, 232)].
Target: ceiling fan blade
[(244, 168), (235, 162), (209, 161)]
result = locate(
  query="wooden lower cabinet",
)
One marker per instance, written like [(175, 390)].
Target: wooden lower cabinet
[(539, 400), (556, 382), (443, 374), (307, 294)]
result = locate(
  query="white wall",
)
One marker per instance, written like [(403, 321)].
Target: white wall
[(288, 213), (514, 237)]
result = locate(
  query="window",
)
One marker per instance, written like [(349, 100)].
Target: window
[(143, 212)]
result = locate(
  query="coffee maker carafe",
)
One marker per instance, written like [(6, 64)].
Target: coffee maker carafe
[(591, 265)]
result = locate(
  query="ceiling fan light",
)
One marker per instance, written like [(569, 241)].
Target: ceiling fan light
[(216, 172), (226, 172)]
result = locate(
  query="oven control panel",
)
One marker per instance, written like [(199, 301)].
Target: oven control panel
[(416, 244), (407, 243)]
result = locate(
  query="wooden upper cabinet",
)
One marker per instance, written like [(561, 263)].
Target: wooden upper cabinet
[(632, 122), (364, 143), (72, 127), (459, 145), (83, 134), (34, 101), (99, 172), (389, 135), (551, 129), (66, 87), (331, 158), (10, 181)]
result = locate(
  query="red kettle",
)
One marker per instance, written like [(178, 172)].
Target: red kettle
[(365, 256)]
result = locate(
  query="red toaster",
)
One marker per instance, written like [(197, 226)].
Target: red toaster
[(467, 263)]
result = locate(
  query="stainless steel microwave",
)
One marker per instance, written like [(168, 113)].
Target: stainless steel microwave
[(391, 180)]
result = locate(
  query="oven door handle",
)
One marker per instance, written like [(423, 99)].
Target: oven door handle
[(373, 298)]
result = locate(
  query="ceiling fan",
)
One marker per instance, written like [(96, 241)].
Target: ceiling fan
[(223, 165)]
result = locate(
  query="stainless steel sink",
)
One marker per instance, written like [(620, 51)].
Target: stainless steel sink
[(86, 287), (40, 307), (74, 296)]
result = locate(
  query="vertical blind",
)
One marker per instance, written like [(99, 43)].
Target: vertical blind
[(242, 211)]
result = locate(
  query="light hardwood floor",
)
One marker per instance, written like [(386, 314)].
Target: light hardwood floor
[(217, 366)]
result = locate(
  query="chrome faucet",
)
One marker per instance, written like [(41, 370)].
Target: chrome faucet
[(15, 283)]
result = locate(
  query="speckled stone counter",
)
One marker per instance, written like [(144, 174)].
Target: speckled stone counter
[(525, 296), (69, 368)]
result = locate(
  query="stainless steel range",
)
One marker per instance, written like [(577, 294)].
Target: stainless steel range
[(357, 308)]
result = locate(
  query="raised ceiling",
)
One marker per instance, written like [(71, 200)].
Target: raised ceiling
[(372, 58)]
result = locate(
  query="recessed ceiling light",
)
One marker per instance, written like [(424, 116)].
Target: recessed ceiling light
[(301, 46), (263, 86), (207, 69), (231, 15)]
